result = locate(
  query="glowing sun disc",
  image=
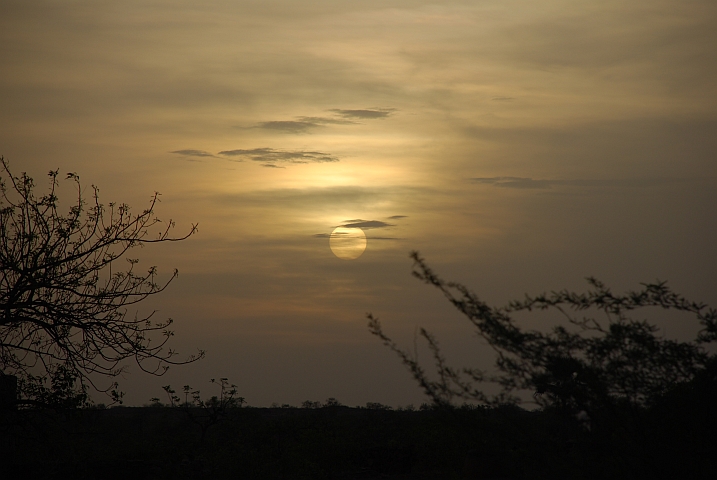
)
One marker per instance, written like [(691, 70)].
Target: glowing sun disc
[(347, 243)]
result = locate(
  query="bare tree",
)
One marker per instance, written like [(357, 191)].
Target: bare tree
[(63, 297)]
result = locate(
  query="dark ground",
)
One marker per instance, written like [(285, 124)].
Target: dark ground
[(329, 443)]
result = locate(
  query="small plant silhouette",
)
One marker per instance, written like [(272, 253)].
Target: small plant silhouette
[(204, 413)]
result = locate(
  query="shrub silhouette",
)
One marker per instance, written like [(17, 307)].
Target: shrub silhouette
[(598, 366), (204, 413)]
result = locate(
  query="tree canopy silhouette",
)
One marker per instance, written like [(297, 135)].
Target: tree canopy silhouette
[(586, 363), (63, 297)]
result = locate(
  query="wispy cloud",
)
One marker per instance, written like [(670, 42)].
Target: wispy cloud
[(397, 217), (192, 153), (366, 114), (304, 124), (515, 182), (366, 224), (530, 183), (289, 126), (269, 156), (363, 225), (327, 121)]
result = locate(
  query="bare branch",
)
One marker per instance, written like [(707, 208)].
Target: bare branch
[(63, 301), (583, 363)]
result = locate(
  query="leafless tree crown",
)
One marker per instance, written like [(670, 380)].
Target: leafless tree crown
[(63, 298)]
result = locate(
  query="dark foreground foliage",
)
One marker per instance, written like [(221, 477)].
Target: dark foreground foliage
[(596, 356), (648, 402), (337, 442)]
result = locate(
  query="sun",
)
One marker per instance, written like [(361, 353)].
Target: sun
[(347, 243)]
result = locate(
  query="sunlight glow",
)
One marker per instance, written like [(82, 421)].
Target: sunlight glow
[(347, 243)]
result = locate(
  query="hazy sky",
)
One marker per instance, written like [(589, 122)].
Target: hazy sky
[(520, 146)]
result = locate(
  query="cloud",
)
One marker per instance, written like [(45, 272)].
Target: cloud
[(366, 224), (302, 124), (362, 224), (326, 121), (529, 183), (192, 153), (270, 156), (366, 114), (289, 126), (328, 235), (514, 182), (397, 217)]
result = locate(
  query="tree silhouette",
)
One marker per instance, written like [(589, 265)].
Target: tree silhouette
[(644, 406), (63, 299), (585, 364)]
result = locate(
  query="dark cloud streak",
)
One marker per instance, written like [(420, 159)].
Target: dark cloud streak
[(269, 156), (288, 126), (192, 153), (326, 121), (365, 114), (363, 225), (366, 224), (529, 183), (304, 124)]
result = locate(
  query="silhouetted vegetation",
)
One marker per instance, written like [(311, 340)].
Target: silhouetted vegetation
[(330, 442), (646, 403), (63, 297), (337, 442), (203, 413)]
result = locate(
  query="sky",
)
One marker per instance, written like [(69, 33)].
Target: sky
[(519, 146)]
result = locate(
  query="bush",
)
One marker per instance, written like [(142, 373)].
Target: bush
[(598, 368)]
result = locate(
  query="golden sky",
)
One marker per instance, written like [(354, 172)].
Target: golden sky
[(520, 146)]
